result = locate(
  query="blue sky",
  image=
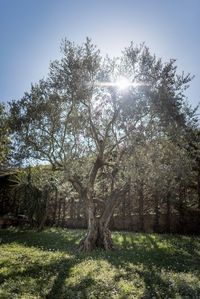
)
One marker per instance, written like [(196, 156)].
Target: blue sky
[(31, 32)]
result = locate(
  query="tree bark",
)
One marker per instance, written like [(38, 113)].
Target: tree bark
[(71, 211), (157, 214), (198, 186), (46, 196), (168, 215), (141, 206), (181, 208), (64, 212), (55, 206), (98, 234)]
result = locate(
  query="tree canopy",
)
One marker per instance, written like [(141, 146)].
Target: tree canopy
[(81, 121)]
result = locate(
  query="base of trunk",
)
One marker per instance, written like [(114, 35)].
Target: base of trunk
[(99, 238)]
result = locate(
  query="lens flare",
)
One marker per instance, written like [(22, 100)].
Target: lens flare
[(123, 83)]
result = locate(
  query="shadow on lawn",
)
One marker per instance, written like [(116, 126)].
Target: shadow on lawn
[(35, 269), (175, 258), (60, 269), (59, 291), (137, 256), (178, 258), (65, 242), (55, 239)]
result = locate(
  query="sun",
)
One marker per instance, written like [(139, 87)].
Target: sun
[(123, 83)]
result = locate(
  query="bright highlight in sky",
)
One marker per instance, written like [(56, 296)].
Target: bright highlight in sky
[(123, 83)]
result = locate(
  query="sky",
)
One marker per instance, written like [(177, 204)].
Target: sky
[(31, 32)]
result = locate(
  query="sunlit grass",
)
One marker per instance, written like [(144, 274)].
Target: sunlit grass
[(48, 265)]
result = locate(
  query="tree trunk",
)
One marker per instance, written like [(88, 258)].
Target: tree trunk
[(46, 195), (181, 208), (59, 211), (98, 234), (64, 212), (141, 206), (43, 221), (168, 215), (198, 186), (72, 209), (55, 206), (89, 242), (157, 214)]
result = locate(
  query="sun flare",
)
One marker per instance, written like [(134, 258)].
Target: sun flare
[(123, 83)]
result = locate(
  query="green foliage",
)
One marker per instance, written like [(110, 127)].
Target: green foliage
[(33, 190), (47, 265), (5, 143), (66, 116)]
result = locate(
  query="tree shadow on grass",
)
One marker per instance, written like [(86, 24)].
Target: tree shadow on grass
[(79, 290), (144, 257), (46, 240), (137, 255), (148, 262), (178, 256), (52, 276), (57, 271), (59, 282), (157, 287)]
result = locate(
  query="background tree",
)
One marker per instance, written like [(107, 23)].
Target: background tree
[(33, 188), (5, 143)]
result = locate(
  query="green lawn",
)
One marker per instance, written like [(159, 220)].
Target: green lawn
[(48, 265)]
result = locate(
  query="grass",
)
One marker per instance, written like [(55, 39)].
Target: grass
[(48, 265)]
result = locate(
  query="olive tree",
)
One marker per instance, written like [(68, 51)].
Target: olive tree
[(87, 115)]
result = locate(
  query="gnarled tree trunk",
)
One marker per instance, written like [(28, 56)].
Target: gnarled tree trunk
[(98, 234)]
